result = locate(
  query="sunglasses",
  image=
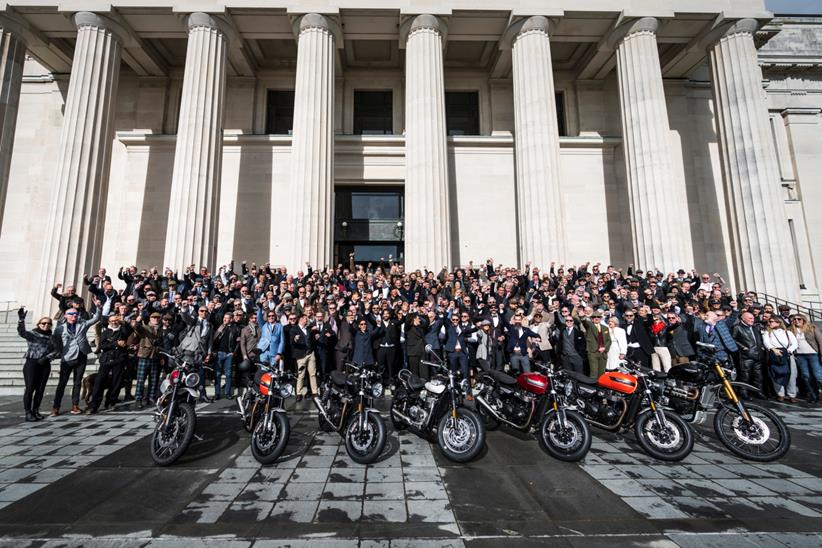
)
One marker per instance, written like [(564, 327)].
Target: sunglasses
[(71, 313), (44, 323)]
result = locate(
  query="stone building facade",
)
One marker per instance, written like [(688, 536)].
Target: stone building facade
[(674, 133)]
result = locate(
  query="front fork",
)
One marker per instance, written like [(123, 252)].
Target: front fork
[(170, 411), (731, 393)]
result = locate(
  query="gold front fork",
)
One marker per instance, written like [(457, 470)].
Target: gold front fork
[(730, 392)]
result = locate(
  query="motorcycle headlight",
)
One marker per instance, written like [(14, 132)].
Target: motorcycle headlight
[(166, 384), (376, 390), (569, 389), (465, 386), (286, 390), (192, 380)]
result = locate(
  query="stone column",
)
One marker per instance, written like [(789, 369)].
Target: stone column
[(191, 236), (659, 205), (312, 147), (763, 254), (74, 234), (540, 213), (427, 213), (12, 57)]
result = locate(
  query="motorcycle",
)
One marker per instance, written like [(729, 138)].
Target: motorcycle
[(535, 402), (619, 400), (436, 406), (271, 428), (346, 406), (695, 389), (174, 417)]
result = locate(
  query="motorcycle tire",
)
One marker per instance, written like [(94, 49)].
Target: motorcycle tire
[(377, 437), (464, 444), (490, 421), (727, 429), (267, 451), (569, 446), (645, 428), (184, 419)]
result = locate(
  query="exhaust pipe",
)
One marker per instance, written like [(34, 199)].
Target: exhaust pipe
[(497, 415)]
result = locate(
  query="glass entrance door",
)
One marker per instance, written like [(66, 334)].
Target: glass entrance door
[(368, 223)]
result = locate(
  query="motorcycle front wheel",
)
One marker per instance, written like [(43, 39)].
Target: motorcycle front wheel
[(365, 444), (672, 440), (269, 440), (461, 437), (763, 439), (168, 443), (569, 442)]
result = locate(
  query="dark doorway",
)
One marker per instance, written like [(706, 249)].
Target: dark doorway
[(369, 223)]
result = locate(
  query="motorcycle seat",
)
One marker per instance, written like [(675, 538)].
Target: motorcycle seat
[(503, 378), (415, 382), (339, 378), (580, 377)]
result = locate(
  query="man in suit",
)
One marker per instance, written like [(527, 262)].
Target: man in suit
[(748, 338), (271, 344), (344, 344), (456, 343), (570, 346), (517, 346), (324, 342), (640, 346), (196, 342), (301, 349), (597, 343), (712, 330)]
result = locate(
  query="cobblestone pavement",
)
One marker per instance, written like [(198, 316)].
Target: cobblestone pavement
[(89, 481)]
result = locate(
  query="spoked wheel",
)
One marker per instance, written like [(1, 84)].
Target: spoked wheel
[(365, 443), (169, 442), (569, 439), (763, 438), (270, 438), (461, 437), (664, 436)]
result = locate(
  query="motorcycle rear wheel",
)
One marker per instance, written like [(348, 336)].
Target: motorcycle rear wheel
[(267, 444), (672, 444), (461, 438), (753, 441), (168, 445), (365, 447), (569, 444)]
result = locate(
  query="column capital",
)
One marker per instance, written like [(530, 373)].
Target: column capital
[(200, 20), (424, 21), (730, 27), (328, 23), (630, 27), (85, 19), (521, 25)]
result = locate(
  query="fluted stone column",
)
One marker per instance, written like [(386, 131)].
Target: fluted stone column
[(762, 247), (191, 236), (540, 213), (12, 57), (74, 234), (427, 213), (312, 146), (659, 205)]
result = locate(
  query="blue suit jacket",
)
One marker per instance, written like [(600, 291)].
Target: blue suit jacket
[(720, 337), (272, 341)]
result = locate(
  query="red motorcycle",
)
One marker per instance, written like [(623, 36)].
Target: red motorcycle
[(535, 402)]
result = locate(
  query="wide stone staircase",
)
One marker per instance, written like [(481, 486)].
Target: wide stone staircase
[(12, 349)]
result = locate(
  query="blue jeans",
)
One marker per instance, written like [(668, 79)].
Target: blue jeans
[(810, 369), (223, 367), (521, 363)]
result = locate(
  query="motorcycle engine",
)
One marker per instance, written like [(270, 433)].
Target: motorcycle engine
[(417, 414), (603, 406), (516, 404)]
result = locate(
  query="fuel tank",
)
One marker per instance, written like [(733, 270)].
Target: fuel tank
[(533, 382), (619, 382)]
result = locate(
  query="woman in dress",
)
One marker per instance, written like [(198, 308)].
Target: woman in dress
[(781, 345), (619, 344)]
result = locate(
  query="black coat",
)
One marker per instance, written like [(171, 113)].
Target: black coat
[(640, 334), (299, 345), (749, 340), (110, 352)]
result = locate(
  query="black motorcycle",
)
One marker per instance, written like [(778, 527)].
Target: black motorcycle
[(620, 400), (271, 428), (346, 406), (174, 417), (535, 402), (695, 389), (436, 406)]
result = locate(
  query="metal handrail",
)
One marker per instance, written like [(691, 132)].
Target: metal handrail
[(813, 314), (7, 307)]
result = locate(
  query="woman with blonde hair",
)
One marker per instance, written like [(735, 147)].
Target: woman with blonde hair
[(619, 344), (37, 368), (781, 345), (809, 341)]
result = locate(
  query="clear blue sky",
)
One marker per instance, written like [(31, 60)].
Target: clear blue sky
[(795, 7)]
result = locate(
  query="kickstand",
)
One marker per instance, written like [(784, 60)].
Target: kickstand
[(198, 438)]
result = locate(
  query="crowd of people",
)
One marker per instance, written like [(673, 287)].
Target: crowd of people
[(584, 318)]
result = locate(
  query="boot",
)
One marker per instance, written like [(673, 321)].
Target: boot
[(30, 417), (38, 415), (75, 410)]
